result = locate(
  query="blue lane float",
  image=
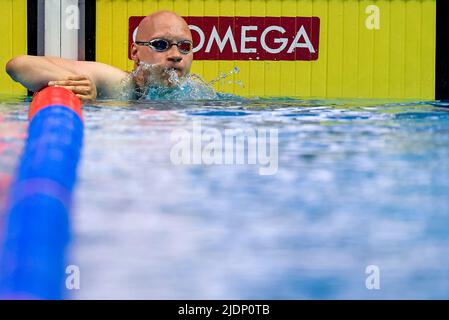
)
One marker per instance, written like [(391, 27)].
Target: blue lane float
[(37, 227)]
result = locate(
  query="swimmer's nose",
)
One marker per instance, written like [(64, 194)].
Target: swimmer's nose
[(174, 55), (174, 58)]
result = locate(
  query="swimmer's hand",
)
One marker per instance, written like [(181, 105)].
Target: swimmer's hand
[(81, 85)]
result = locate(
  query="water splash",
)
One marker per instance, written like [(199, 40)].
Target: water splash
[(151, 82), (225, 75)]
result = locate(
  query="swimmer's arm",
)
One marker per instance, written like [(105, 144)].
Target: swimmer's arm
[(107, 79), (35, 72)]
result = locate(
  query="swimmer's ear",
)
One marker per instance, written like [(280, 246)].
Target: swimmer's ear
[(134, 54)]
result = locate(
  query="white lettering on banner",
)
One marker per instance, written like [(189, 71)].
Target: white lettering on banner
[(202, 37), (296, 44), (234, 40), (229, 36), (245, 39), (301, 40), (283, 41)]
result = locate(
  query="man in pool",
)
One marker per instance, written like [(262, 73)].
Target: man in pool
[(163, 41)]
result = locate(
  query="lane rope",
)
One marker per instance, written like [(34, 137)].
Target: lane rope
[(37, 226)]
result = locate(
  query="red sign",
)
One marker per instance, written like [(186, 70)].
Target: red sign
[(249, 38)]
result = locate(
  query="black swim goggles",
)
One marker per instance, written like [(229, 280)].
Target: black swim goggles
[(161, 45)]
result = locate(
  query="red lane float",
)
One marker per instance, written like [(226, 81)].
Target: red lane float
[(55, 96)]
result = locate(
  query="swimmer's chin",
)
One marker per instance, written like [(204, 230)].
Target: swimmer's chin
[(179, 72), (170, 84), (174, 81), (164, 83)]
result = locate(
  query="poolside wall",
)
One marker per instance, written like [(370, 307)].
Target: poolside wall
[(13, 29), (396, 60)]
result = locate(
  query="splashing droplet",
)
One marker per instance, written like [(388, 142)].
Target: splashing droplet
[(151, 82)]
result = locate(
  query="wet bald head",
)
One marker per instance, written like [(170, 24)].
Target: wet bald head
[(163, 24)]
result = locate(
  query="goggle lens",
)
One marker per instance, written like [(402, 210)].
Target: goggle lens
[(161, 45), (185, 46)]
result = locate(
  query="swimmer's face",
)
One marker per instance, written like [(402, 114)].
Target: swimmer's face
[(163, 25)]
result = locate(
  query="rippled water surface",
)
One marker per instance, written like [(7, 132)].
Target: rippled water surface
[(358, 183)]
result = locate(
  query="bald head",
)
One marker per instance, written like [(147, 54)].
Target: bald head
[(163, 24)]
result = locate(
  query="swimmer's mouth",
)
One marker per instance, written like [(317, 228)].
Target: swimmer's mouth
[(174, 69)]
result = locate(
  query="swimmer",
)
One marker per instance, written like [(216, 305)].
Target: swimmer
[(163, 45)]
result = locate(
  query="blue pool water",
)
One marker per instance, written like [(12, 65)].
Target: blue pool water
[(358, 183)]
